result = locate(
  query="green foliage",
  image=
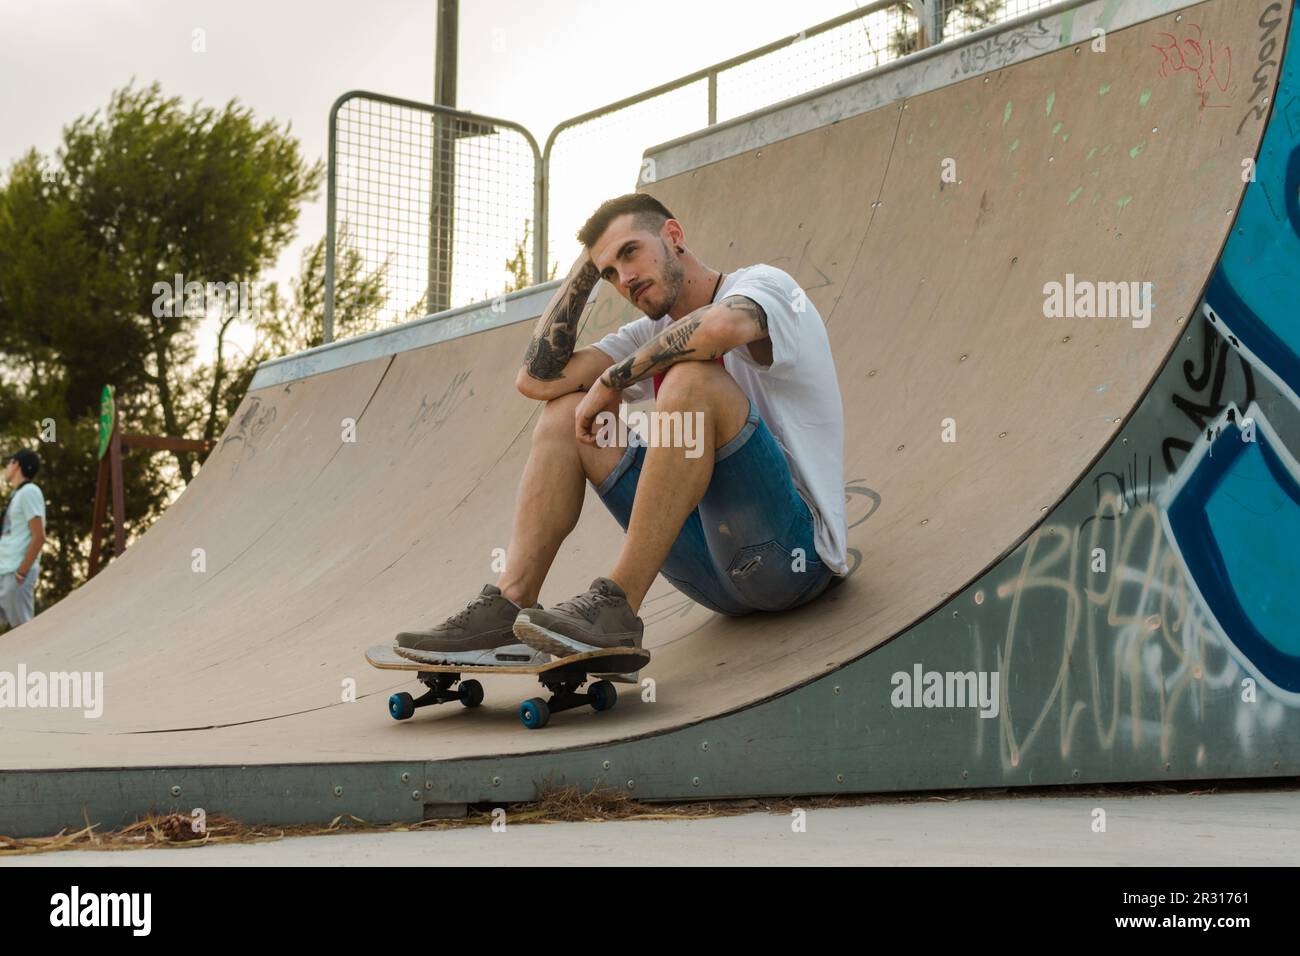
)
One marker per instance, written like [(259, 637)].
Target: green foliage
[(284, 327), (959, 18), (132, 197), (91, 240), (517, 267)]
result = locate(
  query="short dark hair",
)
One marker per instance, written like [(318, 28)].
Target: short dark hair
[(29, 463), (650, 214)]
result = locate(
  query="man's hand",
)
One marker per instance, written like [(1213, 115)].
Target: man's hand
[(601, 398), (21, 576)]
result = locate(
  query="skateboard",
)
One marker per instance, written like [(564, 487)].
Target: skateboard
[(563, 678)]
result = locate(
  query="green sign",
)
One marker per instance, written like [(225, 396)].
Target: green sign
[(107, 412)]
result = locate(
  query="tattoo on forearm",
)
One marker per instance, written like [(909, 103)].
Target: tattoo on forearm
[(747, 306), (674, 338), (556, 333), (670, 346), (620, 375)]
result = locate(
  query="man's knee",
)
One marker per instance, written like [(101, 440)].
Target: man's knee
[(557, 422), (557, 415), (706, 381), (705, 387)]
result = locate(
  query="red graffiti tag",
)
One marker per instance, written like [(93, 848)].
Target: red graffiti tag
[(1211, 64)]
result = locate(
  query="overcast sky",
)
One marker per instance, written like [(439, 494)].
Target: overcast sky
[(533, 61)]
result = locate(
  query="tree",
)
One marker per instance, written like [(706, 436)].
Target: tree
[(290, 326), (133, 197), (521, 276), (959, 17)]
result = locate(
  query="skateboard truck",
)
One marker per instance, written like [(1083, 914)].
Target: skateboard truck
[(470, 693), (564, 685), (563, 679)]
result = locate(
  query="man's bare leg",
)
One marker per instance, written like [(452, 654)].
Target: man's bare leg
[(550, 497), (671, 484)]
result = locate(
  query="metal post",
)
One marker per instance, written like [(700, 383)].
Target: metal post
[(929, 22), (442, 186), (937, 18), (118, 490), (445, 51), (330, 225), (540, 252), (97, 517)]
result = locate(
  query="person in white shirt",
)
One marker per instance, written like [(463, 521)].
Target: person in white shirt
[(743, 512), (22, 535)]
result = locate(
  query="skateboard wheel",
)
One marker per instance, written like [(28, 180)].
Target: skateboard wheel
[(534, 713), (602, 695), (401, 706), (471, 693)]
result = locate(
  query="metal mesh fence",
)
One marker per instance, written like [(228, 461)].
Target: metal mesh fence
[(600, 158), (961, 17), (445, 202), (812, 61), (441, 204), (598, 155)]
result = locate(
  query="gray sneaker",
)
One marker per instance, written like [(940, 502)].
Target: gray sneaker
[(599, 619), (481, 634)]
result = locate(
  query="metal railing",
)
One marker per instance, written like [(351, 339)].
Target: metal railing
[(610, 139), (442, 205), (836, 49), (614, 135)]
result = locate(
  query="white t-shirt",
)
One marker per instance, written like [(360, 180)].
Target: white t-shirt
[(798, 395), (15, 535)]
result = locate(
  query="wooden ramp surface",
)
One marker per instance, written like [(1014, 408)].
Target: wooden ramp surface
[(932, 294)]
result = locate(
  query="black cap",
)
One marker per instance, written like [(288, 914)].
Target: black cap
[(29, 463)]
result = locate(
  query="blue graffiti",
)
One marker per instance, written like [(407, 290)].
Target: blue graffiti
[(1233, 510), (1234, 517), (1252, 293)]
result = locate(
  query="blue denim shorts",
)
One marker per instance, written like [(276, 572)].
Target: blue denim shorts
[(748, 545)]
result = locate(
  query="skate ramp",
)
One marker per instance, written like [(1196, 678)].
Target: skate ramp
[(372, 496)]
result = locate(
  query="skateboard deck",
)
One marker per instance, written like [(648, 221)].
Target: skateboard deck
[(562, 677)]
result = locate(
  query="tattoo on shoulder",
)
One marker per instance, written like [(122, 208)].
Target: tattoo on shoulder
[(749, 307)]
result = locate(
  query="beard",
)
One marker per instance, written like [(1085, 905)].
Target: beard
[(670, 281)]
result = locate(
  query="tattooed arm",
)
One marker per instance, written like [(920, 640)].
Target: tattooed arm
[(703, 335), (551, 367)]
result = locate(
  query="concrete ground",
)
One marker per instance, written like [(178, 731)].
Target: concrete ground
[(1256, 828)]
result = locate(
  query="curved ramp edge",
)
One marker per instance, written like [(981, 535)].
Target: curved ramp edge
[(1123, 616)]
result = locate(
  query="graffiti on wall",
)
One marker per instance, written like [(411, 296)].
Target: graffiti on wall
[(1138, 639), (1159, 599)]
